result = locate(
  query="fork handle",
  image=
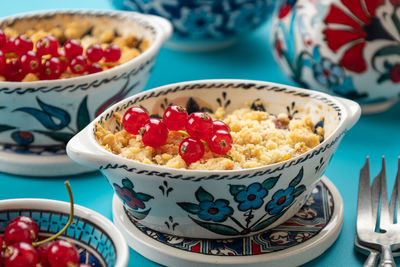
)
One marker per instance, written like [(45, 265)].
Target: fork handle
[(387, 257), (372, 259)]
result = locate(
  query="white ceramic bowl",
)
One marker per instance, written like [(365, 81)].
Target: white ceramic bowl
[(100, 243), (347, 48), (199, 203), (46, 114)]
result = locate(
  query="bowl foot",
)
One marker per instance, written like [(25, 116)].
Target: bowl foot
[(372, 108)]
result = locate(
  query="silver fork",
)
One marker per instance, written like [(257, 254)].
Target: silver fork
[(378, 233)]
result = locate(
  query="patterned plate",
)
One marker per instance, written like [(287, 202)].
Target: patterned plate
[(38, 162), (302, 238)]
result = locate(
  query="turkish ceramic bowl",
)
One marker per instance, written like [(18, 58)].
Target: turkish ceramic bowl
[(204, 204), (99, 242), (347, 48), (46, 114), (206, 24)]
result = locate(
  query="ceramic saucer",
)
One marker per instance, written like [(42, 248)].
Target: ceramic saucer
[(302, 238), (38, 162)]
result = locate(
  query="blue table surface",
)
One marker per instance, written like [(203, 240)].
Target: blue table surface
[(250, 58)]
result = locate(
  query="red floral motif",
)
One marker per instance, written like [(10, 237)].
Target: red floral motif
[(395, 2), (357, 19), (395, 73), (127, 196)]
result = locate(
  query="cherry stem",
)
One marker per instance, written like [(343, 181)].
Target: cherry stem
[(183, 133), (71, 216)]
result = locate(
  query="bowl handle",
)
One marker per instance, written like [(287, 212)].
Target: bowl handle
[(353, 112), (83, 149), (165, 26)]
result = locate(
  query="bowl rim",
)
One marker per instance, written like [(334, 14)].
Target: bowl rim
[(40, 204), (125, 15), (337, 132)]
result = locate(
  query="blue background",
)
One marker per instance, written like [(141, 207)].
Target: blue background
[(250, 58)]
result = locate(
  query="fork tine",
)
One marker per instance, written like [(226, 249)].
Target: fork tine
[(397, 184), (395, 197), (384, 218), (364, 209)]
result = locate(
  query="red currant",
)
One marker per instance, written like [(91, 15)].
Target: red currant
[(52, 69), (22, 45), (3, 61), (63, 254), (154, 132), (191, 150), (72, 49), (94, 53), (94, 68), (175, 117), (199, 124), (134, 119), (30, 62), (220, 142), (112, 53), (220, 125), (3, 39), (9, 46), (47, 46), (78, 65), (63, 60), (13, 71), (19, 231), (20, 255)]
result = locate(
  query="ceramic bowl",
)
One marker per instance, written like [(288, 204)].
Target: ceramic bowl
[(174, 201), (206, 24), (347, 48), (46, 114), (99, 242)]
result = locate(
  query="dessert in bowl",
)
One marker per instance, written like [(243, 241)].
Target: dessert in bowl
[(44, 112), (219, 203)]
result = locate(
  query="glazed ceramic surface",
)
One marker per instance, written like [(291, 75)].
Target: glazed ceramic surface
[(303, 237), (206, 204), (205, 24), (40, 117), (98, 241), (349, 48)]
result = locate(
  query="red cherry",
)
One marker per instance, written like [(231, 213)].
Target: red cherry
[(13, 71), (30, 62), (3, 39), (220, 142), (62, 254), (72, 49), (43, 253), (29, 221), (20, 255), (112, 53), (199, 124), (51, 69), (19, 231), (134, 119), (94, 53), (78, 65), (191, 150), (94, 68), (154, 132), (47, 46), (220, 125), (175, 117), (22, 45)]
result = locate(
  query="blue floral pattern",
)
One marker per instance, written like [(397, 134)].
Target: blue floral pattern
[(280, 200), (251, 197), (216, 211), (328, 73)]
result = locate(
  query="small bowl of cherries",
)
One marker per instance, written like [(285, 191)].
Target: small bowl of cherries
[(50, 233)]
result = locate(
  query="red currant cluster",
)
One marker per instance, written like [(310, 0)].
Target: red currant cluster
[(200, 127), (20, 249), (48, 61)]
